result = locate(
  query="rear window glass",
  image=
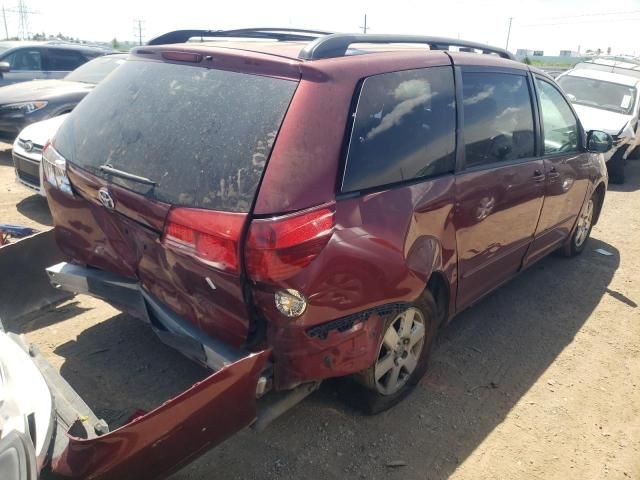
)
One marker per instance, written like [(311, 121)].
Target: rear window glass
[(599, 94), (97, 69), (404, 128), (202, 135), (63, 60)]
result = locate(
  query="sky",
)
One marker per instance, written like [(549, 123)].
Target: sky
[(537, 24)]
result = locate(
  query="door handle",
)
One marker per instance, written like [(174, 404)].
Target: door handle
[(538, 176), (553, 173)]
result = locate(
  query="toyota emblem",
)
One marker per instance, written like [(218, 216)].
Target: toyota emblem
[(105, 199), (28, 146)]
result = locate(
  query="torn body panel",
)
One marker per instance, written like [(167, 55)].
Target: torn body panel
[(156, 443), (66, 437)]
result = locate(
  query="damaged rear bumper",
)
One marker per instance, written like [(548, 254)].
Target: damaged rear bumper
[(135, 300), (151, 444)]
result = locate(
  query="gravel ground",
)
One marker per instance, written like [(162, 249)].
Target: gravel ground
[(539, 380)]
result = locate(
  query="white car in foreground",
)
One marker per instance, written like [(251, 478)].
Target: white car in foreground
[(609, 102), (27, 151), (26, 412)]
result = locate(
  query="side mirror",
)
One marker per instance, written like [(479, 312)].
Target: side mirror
[(599, 142), (5, 67)]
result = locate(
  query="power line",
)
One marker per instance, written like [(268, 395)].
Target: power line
[(23, 18), (588, 15), (587, 22)]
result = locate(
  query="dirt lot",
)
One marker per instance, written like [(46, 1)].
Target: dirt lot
[(539, 380)]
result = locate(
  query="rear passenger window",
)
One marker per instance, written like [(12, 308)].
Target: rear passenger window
[(560, 125), (404, 128), (498, 118), (64, 60)]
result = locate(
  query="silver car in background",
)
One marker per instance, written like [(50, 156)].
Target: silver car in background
[(21, 61), (27, 151)]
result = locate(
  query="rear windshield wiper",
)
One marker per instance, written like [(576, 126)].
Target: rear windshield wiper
[(126, 175)]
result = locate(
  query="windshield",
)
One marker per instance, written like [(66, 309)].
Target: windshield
[(203, 136), (598, 93), (95, 70)]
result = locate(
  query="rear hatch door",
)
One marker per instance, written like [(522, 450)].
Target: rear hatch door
[(165, 158)]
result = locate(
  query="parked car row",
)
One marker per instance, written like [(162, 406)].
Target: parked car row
[(22, 61), (298, 210), (50, 100)]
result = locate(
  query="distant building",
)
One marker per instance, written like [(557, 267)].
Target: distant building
[(524, 52), (538, 53), (569, 53)]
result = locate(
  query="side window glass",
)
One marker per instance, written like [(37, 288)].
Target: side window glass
[(25, 59), (64, 60), (560, 125), (404, 128), (498, 118)]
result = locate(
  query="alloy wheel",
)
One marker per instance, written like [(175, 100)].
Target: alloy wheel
[(400, 351), (584, 224)]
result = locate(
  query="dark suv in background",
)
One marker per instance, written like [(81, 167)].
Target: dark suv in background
[(304, 207), (22, 61)]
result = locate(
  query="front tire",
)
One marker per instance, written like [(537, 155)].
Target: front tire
[(403, 357), (615, 167)]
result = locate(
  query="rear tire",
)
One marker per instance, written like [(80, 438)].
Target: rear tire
[(581, 233), (403, 357), (615, 167)]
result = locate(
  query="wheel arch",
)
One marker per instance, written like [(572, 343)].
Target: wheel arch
[(439, 287), (601, 191)]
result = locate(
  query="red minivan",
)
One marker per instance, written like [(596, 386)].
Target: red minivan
[(288, 206)]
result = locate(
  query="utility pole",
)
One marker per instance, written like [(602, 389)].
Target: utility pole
[(509, 33), (6, 30), (365, 28), (139, 30), (23, 18)]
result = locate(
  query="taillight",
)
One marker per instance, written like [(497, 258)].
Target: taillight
[(210, 236), (278, 248), (54, 168)]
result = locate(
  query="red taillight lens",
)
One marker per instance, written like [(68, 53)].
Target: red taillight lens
[(210, 236), (279, 248)]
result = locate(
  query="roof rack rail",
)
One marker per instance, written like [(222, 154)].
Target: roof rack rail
[(615, 63), (337, 44), (280, 34)]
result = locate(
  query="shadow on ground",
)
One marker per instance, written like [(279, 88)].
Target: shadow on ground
[(486, 360), (44, 318), (35, 208), (5, 153)]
